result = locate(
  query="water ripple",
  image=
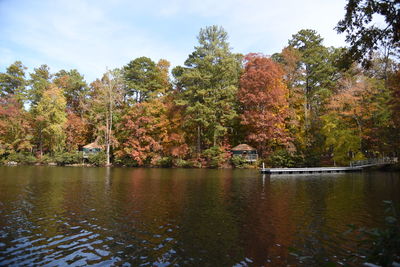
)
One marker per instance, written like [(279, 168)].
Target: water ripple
[(141, 217)]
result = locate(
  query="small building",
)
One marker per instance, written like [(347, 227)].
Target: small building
[(245, 151), (90, 149)]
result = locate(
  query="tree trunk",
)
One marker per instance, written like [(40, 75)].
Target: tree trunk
[(198, 139), (109, 127), (41, 144), (109, 138), (108, 154), (107, 141), (306, 104)]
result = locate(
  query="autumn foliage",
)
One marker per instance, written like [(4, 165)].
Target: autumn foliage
[(15, 128), (143, 131), (264, 101), (77, 131), (298, 107)]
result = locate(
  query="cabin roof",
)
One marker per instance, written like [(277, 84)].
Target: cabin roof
[(243, 147), (93, 145)]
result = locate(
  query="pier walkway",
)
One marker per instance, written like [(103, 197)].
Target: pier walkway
[(373, 162), (354, 167)]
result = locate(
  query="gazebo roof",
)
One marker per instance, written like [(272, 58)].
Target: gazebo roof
[(243, 147), (93, 145)]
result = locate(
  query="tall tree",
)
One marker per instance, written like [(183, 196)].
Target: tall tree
[(343, 122), (264, 99), (75, 90), (319, 72), (12, 82), (358, 121), (319, 76), (364, 35), (290, 60), (377, 117), (49, 120), (174, 145), (39, 82), (76, 131), (163, 68), (15, 134), (106, 100), (145, 79), (15, 130), (208, 85), (142, 132)]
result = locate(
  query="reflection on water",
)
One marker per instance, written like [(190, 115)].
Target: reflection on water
[(81, 216)]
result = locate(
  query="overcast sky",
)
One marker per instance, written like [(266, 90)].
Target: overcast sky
[(92, 35)]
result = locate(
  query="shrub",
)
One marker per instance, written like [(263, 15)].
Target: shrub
[(164, 162), (215, 157), (282, 158), (181, 163), (22, 158), (125, 161), (239, 162), (311, 158), (45, 159), (65, 158), (97, 159)]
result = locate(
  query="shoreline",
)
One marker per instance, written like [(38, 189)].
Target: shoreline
[(388, 168), (121, 166)]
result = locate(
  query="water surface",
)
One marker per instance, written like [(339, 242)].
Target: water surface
[(186, 217)]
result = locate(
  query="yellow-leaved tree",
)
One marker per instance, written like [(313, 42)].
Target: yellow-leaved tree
[(49, 120)]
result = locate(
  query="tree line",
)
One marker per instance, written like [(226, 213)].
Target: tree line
[(306, 105)]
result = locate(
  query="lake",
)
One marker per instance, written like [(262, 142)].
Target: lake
[(187, 217)]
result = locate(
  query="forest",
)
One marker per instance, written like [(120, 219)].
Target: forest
[(307, 105)]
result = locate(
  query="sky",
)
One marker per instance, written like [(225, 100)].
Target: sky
[(95, 35)]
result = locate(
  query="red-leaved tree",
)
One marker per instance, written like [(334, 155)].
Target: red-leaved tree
[(149, 131), (264, 101)]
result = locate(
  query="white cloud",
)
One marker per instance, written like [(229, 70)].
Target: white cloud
[(93, 35)]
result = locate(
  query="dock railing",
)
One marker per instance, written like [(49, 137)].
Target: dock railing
[(374, 161)]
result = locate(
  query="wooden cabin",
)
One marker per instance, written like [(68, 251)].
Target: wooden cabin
[(245, 151), (90, 149)]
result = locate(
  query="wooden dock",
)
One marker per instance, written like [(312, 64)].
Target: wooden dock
[(310, 170), (355, 166)]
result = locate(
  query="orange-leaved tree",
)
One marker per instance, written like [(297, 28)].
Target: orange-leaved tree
[(141, 132), (76, 130), (15, 131), (264, 102)]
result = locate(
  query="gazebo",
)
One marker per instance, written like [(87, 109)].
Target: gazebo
[(245, 151), (91, 148)]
